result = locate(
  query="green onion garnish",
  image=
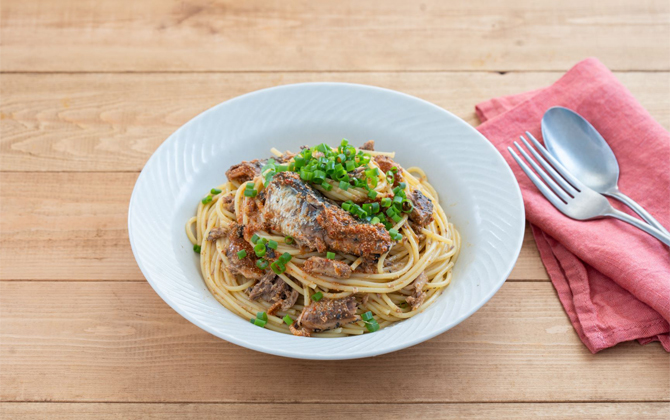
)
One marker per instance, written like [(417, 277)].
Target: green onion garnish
[(261, 323), (254, 239), (241, 254), (372, 194), (262, 315), (197, 248), (272, 244), (285, 258), (317, 296), (288, 320), (367, 317), (386, 202), (375, 220), (207, 199), (262, 264), (259, 249), (278, 268), (372, 326), (250, 193), (330, 255), (249, 186), (288, 240), (344, 185), (215, 191), (395, 235), (326, 186)]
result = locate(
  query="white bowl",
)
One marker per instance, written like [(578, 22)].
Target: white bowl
[(476, 187)]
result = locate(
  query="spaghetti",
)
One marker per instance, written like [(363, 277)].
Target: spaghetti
[(387, 288)]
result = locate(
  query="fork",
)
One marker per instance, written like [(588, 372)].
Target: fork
[(567, 194)]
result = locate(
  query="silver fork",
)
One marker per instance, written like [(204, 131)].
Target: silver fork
[(567, 194)]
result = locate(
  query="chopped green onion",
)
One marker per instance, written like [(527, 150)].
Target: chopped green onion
[(344, 185), (386, 202), (264, 241), (397, 199), (215, 191), (407, 206), (262, 264), (272, 244), (319, 176), (375, 220), (350, 166), (207, 199), (394, 169), (367, 317), (402, 185), (261, 323), (306, 175), (330, 255), (390, 177), (326, 186), (317, 296), (285, 258), (250, 193), (278, 268), (254, 239), (372, 326), (288, 240), (396, 218), (372, 194), (344, 143), (259, 248), (346, 205), (390, 212), (241, 254), (262, 315), (287, 320), (395, 235), (197, 248), (281, 168)]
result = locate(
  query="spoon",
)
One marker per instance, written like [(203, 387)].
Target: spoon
[(574, 142)]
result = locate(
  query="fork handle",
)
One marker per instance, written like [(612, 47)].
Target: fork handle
[(640, 225), (639, 210)]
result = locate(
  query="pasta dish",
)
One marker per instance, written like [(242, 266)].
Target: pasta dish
[(326, 242)]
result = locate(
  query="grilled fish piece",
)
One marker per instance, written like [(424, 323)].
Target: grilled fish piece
[(248, 170), (317, 223), (236, 243), (326, 267), (327, 314), (422, 213)]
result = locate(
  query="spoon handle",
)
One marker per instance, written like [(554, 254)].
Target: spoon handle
[(639, 224), (639, 210)]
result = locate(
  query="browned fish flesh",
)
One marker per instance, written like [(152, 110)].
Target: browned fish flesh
[(317, 223), (327, 314), (326, 267)]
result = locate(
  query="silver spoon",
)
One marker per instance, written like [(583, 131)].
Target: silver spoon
[(581, 149)]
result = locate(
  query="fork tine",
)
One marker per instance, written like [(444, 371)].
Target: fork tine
[(547, 179), (549, 195), (556, 164), (555, 175)]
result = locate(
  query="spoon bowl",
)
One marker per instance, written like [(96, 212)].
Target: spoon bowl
[(581, 149)]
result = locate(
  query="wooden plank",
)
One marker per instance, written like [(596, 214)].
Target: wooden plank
[(194, 35), (513, 411), (73, 226), (119, 342), (113, 122)]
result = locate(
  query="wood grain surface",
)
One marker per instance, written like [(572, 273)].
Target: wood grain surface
[(88, 90), (399, 35), (476, 411), (118, 341)]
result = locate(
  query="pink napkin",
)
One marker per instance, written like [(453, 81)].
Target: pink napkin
[(612, 279)]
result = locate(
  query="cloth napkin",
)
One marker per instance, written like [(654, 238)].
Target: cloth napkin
[(612, 279)]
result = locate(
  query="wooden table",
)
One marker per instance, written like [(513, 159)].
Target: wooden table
[(90, 89)]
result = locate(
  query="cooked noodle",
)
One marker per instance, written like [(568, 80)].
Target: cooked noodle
[(435, 254)]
